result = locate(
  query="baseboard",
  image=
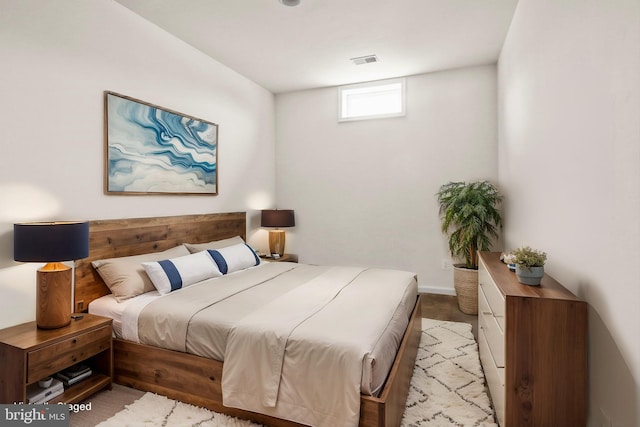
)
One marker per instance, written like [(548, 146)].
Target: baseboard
[(435, 290)]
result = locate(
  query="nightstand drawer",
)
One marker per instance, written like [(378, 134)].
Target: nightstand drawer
[(51, 359)]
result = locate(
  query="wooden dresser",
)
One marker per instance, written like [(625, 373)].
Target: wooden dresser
[(533, 348)]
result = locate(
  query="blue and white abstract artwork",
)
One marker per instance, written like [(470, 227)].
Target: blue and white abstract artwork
[(151, 150)]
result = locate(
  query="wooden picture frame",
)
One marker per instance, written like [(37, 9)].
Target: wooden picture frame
[(154, 150)]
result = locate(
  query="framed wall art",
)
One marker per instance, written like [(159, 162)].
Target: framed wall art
[(153, 150)]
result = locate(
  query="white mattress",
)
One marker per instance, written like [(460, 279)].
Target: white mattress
[(125, 325), (108, 306)]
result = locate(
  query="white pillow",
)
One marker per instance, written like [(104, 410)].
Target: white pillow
[(125, 276), (172, 274), (234, 258)]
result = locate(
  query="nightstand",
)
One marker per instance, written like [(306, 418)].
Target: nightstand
[(283, 258), (30, 354)]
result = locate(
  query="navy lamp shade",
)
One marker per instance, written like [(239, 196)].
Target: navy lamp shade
[(52, 242), (277, 218)]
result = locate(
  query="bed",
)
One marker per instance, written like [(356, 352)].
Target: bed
[(197, 378)]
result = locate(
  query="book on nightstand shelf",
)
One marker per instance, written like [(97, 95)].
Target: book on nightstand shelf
[(37, 394), (74, 374)]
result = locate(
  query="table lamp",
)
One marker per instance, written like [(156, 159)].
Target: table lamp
[(277, 218), (52, 242)]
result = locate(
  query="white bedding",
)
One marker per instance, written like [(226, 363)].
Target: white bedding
[(108, 306), (372, 380), (230, 311)]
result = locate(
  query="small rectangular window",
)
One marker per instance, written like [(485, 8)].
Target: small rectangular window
[(372, 100)]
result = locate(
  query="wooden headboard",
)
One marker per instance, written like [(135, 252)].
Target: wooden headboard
[(134, 236)]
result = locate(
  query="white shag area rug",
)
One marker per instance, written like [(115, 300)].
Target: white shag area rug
[(448, 386), (447, 389)]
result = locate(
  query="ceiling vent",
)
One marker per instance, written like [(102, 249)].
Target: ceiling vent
[(290, 2), (365, 59)]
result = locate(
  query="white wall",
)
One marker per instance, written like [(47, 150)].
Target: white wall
[(57, 59), (364, 192), (569, 144)]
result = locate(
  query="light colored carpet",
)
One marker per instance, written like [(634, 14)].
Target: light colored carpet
[(104, 405), (447, 389)]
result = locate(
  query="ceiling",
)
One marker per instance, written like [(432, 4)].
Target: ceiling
[(308, 46)]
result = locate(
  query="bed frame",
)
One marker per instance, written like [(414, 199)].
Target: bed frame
[(194, 379)]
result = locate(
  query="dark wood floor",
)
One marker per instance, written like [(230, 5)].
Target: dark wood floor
[(445, 307)]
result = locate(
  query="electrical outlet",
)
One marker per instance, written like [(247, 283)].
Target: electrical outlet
[(605, 421), (446, 265), (79, 306)]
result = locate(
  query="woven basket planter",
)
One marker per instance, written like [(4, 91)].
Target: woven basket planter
[(465, 281)]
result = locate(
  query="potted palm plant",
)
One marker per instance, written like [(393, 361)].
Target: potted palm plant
[(471, 218)]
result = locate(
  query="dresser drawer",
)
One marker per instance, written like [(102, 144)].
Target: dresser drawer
[(53, 358), (494, 297), (492, 330), (494, 376)]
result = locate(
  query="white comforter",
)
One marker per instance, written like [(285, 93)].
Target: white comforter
[(300, 355)]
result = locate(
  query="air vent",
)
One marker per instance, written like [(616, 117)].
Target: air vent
[(365, 59)]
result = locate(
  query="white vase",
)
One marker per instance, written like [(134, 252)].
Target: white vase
[(529, 275)]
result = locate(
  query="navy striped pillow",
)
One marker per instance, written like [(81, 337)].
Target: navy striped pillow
[(176, 273), (234, 258)]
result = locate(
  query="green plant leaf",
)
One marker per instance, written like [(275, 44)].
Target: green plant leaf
[(470, 215)]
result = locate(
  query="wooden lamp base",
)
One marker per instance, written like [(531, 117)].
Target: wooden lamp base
[(276, 242), (53, 296)]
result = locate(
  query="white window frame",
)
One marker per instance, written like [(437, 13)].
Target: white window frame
[(369, 88)]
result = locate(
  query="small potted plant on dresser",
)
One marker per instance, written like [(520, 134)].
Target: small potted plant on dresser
[(470, 216), (529, 265)]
